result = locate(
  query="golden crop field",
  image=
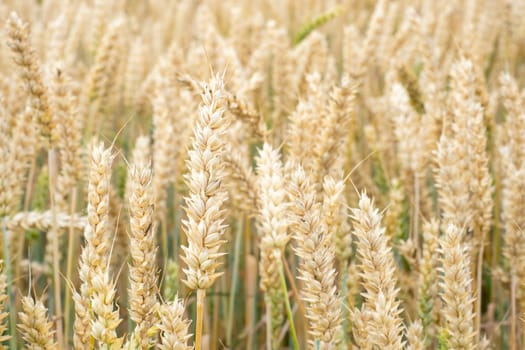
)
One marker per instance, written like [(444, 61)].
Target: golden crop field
[(270, 174)]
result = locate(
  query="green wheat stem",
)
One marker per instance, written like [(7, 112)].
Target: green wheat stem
[(12, 319), (288, 307), (235, 279)]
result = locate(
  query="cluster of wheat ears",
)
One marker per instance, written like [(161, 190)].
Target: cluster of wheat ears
[(237, 174)]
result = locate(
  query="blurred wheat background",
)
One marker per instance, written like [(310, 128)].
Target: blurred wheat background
[(237, 174)]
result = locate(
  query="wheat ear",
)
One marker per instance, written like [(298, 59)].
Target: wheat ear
[(456, 285), (174, 327), (316, 250), (378, 272), (143, 301), (204, 226), (272, 227), (34, 326)]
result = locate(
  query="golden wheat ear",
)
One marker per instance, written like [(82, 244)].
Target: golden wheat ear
[(143, 271), (316, 251), (173, 326), (37, 331), (456, 290), (95, 313), (24, 56), (381, 307), (272, 226), (204, 226)]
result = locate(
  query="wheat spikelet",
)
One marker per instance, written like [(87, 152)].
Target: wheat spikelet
[(82, 324), (163, 153), (281, 72), (457, 153), (246, 113), (95, 289), (514, 104), (302, 131), (101, 76), (59, 30), (31, 220), (395, 209), (272, 229), (103, 327), (406, 122), (24, 56), (336, 129), (360, 320), (480, 184), (98, 24), (370, 43), (335, 216), (315, 248), (94, 256), (15, 159), (456, 285), (135, 70), (16, 155), (69, 134), (120, 239), (36, 330), (143, 303), (378, 272), (310, 58), (205, 226), (174, 327), (415, 336), (428, 288), (241, 181), (513, 168), (141, 155)]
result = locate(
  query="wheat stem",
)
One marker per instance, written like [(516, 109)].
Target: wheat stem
[(269, 332), (201, 297), (71, 244), (9, 274), (513, 323), (235, 278), (52, 166), (289, 313)]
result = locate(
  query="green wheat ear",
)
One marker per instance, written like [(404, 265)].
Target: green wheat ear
[(443, 339), (315, 23), (410, 82), (41, 194), (121, 177), (171, 284)]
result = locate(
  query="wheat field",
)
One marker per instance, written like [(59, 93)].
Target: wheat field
[(272, 174)]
